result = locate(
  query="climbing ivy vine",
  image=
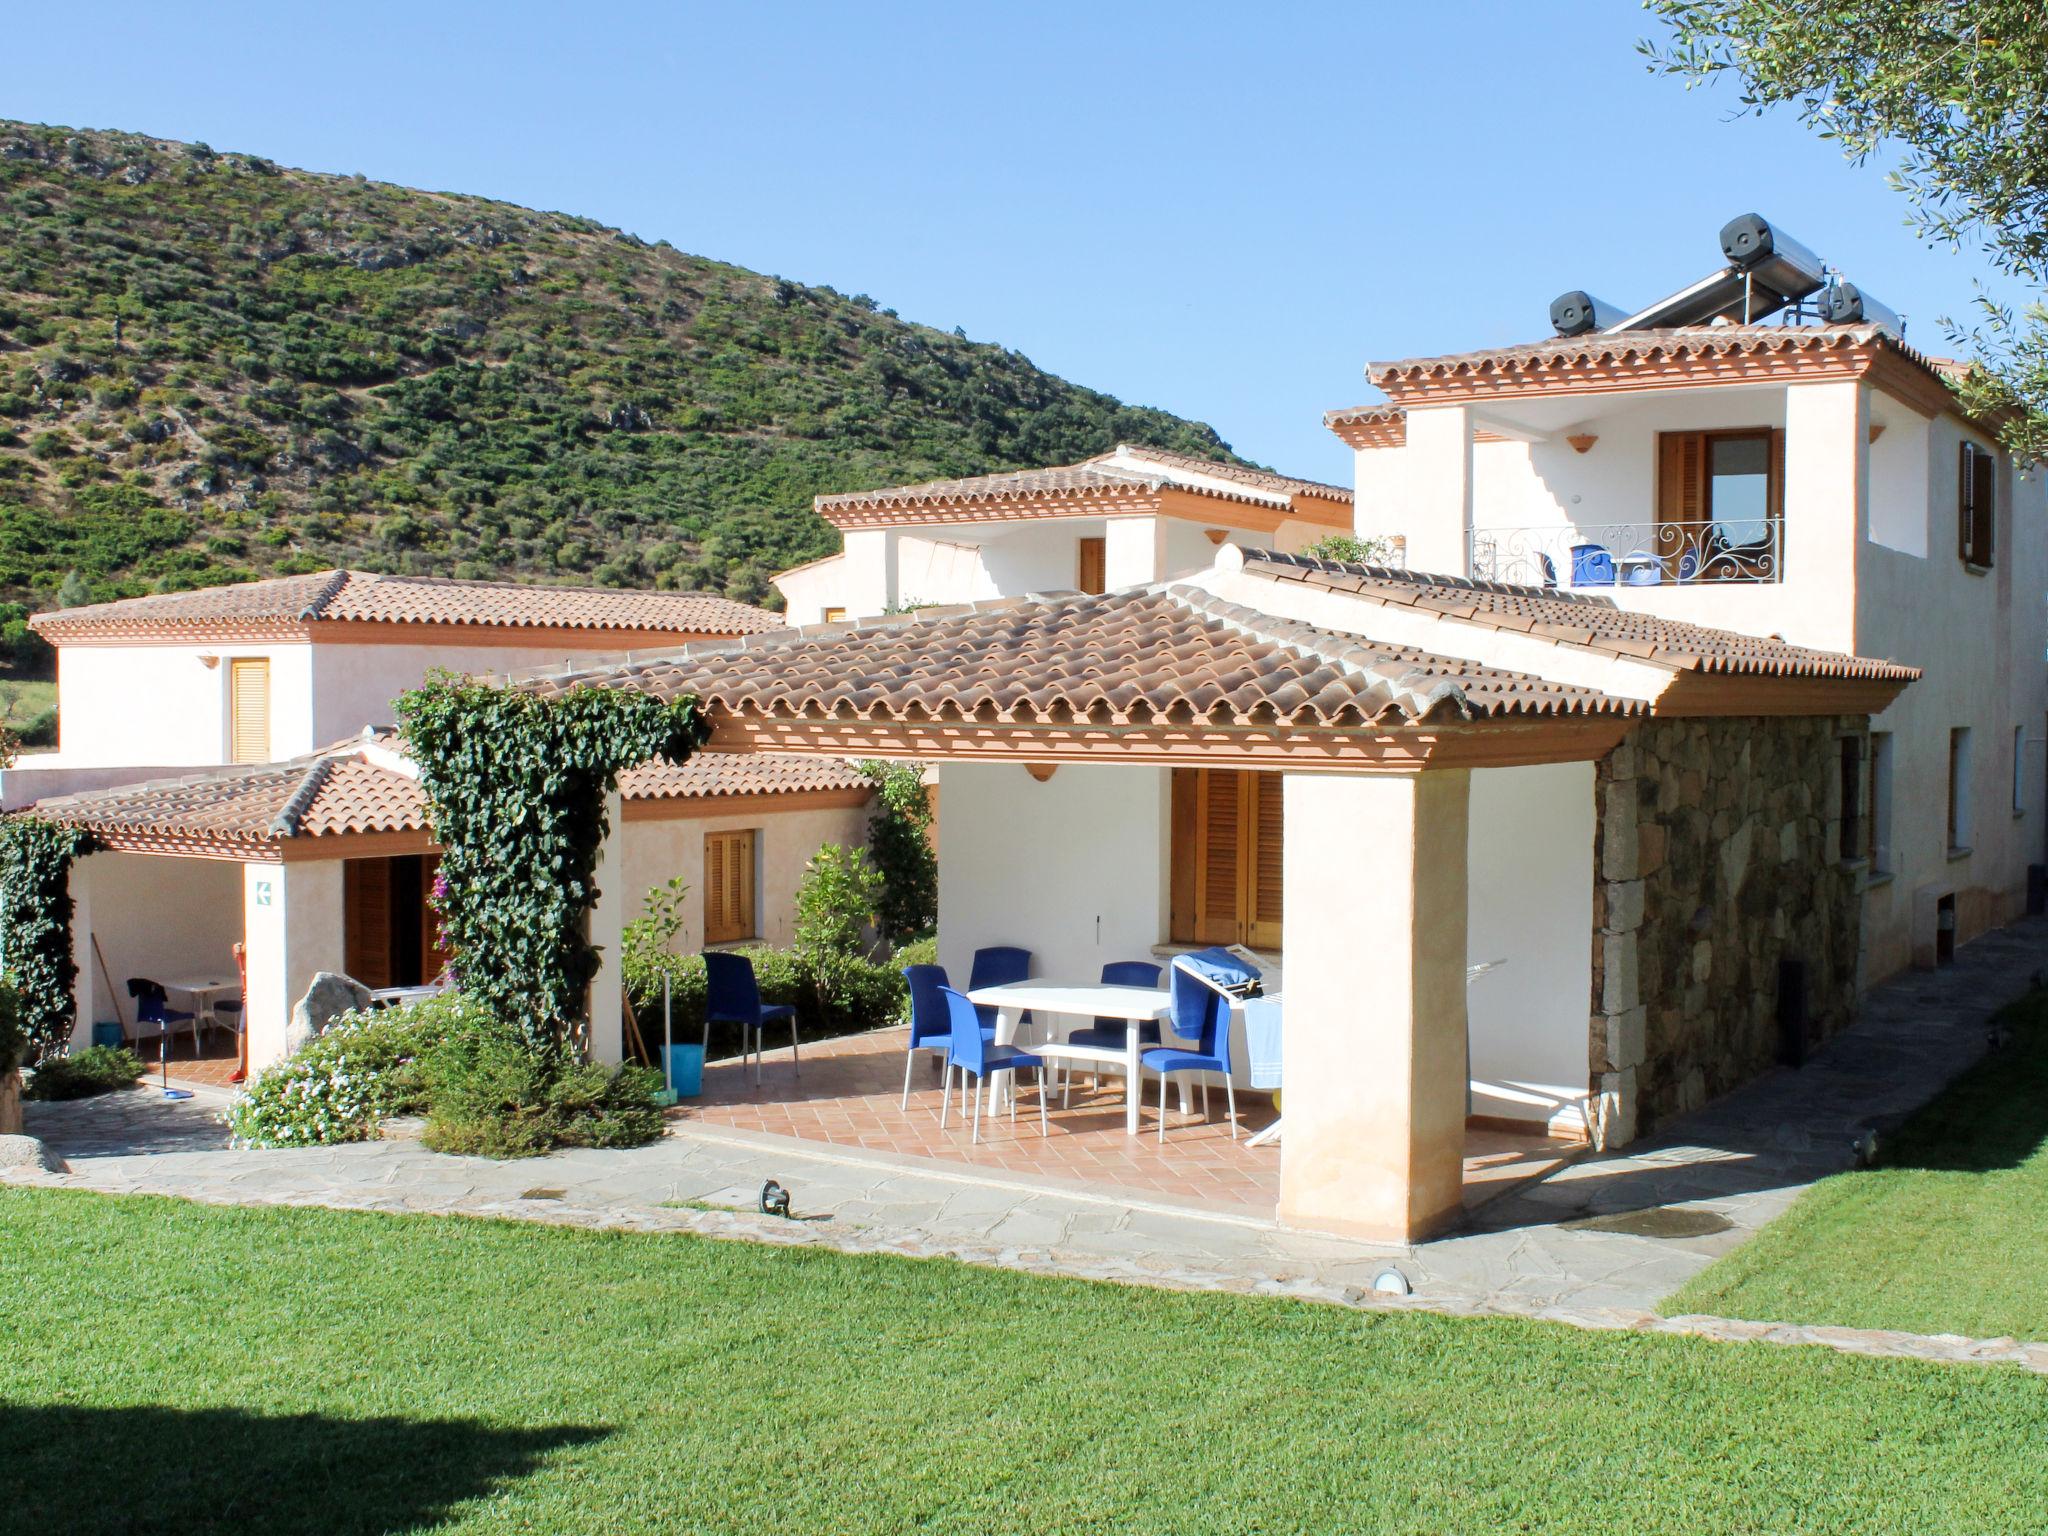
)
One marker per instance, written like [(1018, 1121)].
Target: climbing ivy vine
[(35, 927), (517, 783)]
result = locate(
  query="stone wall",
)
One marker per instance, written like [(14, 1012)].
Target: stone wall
[(1716, 856)]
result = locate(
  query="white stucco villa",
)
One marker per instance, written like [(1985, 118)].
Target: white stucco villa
[(230, 749)]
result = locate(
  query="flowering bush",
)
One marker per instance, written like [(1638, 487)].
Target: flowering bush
[(363, 1068)]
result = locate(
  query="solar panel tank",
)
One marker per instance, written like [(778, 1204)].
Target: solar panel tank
[(1846, 304), (1771, 258), (1577, 312)]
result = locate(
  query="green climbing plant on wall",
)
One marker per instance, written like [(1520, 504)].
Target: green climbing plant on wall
[(517, 783), (35, 927), (900, 847)]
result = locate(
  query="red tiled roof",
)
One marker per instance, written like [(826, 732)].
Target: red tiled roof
[(364, 597), (1585, 620), (1163, 655), (1170, 471), (359, 786)]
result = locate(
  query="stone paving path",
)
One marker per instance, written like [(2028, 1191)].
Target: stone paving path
[(1549, 1251)]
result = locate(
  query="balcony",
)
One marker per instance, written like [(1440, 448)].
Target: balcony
[(1649, 553)]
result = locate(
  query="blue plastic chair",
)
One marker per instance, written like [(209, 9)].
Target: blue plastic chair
[(997, 966), (973, 1053), (1592, 566), (931, 1028), (1200, 1014), (152, 1006), (1112, 1034), (1688, 564), (731, 996)]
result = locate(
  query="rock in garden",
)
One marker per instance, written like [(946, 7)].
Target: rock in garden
[(27, 1152), (327, 999)]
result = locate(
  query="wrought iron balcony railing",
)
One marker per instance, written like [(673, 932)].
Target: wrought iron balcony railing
[(1643, 554)]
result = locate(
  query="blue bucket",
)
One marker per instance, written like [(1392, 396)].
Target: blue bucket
[(104, 1033), (686, 1070)]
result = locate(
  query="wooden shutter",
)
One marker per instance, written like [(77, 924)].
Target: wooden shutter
[(366, 920), (1976, 505), (1262, 915), (1681, 480), (728, 887), (1094, 564), (249, 710), (1225, 884)]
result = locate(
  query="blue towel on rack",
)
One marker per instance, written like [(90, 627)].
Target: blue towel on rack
[(1262, 1041)]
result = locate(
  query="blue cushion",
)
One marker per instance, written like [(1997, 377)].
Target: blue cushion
[(1002, 1058), (1112, 1035), (1169, 1060)]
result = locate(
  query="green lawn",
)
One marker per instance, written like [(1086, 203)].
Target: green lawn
[(1949, 1234), (172, 1367)]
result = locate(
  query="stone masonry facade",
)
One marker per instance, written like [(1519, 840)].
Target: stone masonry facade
[(1717, 855)]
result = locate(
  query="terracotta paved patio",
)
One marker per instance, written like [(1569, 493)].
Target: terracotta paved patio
[(850, 1090)]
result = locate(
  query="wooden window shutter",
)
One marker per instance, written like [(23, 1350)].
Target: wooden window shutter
[(1681, 477), (1262, 927), (249, 710), (1186, 855), (1966, 522), (366, 920), (728, 887), (1219, 881), (1977, 502), (1775, 485), (1094, 563), (1225, 884)]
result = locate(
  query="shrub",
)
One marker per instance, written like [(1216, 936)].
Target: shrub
[(900, 846), (363, 1068), (1350, 549), (647, 949), (13, 1040), (95, 1070), (872, 995), (490, 1096), (835, 905), (923, 952)]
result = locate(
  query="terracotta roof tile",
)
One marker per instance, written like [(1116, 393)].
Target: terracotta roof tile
[(1624, 346), (361, 785), (1580, 619), (1171, 654), (289, 602), (1112, 473)]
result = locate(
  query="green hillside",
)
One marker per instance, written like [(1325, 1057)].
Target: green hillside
[(213, 368)]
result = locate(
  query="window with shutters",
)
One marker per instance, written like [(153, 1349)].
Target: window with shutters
[(729, 879), (1226, 876), (249, 710), (1092, 575), (1721, 504), (834, 615), (1976, 506)]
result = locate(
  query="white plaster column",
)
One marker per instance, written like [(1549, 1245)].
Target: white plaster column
[(1374, 1101), (607, 921), (1133, 551), (292, 929), (1437, 469), (870, 571), (88, 990), (1827, 504)]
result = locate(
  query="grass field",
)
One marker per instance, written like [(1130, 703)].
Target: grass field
[(1948, 1234), (171, 1367)]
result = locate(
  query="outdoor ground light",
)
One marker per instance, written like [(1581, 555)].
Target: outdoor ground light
[(1391, 1282), (774, 1199)]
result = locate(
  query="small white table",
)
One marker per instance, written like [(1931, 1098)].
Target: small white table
[(398, 997), (204, 991), (1139, 1005)]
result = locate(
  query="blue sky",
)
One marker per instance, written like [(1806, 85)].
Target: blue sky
[(1224, 210)]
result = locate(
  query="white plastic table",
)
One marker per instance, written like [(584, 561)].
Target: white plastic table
[(398, 997), (204, 991), (1140, 1005)]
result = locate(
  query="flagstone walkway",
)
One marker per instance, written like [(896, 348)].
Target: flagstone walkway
[(1570, 1248)]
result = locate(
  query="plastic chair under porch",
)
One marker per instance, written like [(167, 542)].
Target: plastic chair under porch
[(732, 996), (981, 1059)]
